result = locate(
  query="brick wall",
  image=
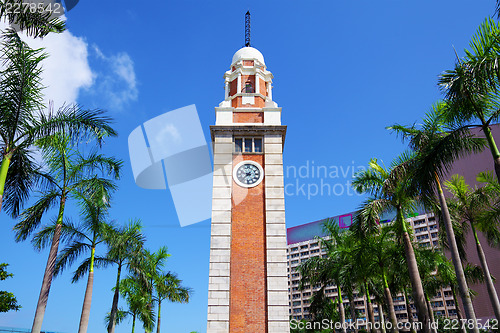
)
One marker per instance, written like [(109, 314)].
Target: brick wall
[(237, 102), (248, 290), (233, 86), (248, 117), (262, 87)]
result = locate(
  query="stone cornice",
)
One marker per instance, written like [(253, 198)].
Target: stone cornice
[(232, 75), (248, 130)]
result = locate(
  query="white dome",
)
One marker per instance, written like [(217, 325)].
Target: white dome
[(248, 53)]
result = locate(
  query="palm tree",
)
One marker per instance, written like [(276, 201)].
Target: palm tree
[(467, 205), (149, 270), (68, 171), (489, 219), (138, 301), (383, 251), (35, 24), (324, 271), (125, 245), (390, 190), (364, 274), (431, 263), (471, 88), (168, 287), (84, 238), (436, 146), (23, 122)]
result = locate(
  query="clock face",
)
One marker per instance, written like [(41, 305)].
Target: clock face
[(248, 174)]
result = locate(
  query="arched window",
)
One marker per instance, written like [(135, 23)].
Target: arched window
[(248, 87)]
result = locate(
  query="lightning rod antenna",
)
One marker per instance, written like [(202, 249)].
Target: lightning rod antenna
[(247, 28)]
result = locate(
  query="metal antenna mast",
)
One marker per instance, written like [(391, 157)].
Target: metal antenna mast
[(247, 28)]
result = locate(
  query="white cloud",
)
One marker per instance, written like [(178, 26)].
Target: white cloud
[(67, 71), (119, 82), (168, 133)]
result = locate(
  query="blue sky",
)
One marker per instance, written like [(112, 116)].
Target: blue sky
[(343, 70)]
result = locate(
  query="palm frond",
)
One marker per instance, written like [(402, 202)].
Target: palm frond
[(83, 268), (368, 181), (35, 24), (121, 315), (93, 162), (69, 255), (44, 237), (473, 273), (22, 177), (30, 219), (75, 122)]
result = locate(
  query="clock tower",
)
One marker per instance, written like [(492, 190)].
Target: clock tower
[(248, 286)]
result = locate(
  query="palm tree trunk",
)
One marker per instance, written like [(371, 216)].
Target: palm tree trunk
[(369, 307), (455, 257), (4, 168), (87, 300), (431, 314), (49, 272), (381, 317), (390, 304), (409, 312), (159, 316), (457, 307), (114, 306), (416, 282), (341, 309), (486, 271), (133, 323), (353, 312), (494, 150)]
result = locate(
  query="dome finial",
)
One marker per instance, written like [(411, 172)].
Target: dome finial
[(247, 28)]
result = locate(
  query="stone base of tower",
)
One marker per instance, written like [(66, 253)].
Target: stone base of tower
[(220, 242), (262, 307), (277, 279)]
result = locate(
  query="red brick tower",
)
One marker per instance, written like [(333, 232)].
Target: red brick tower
[(248, 277)]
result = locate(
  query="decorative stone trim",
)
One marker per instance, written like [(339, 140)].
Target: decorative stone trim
[(248, 130)]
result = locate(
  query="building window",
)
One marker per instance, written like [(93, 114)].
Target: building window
[(257, 145), (248, 145), (238, 145), (248, 87)]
